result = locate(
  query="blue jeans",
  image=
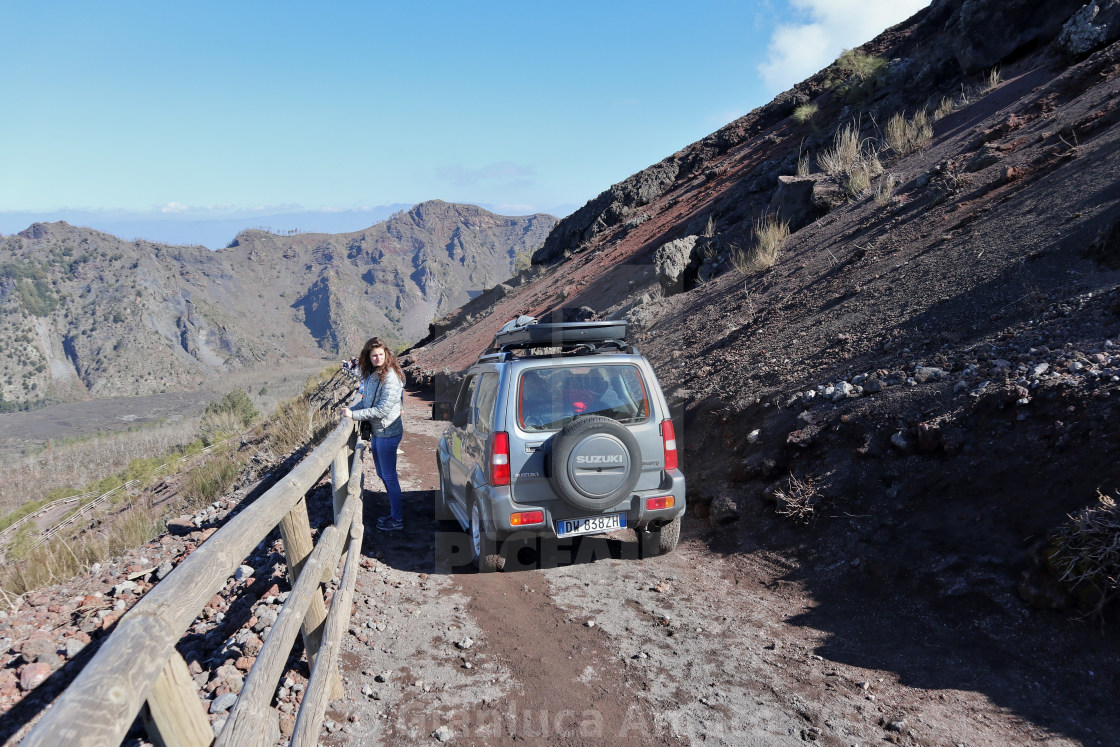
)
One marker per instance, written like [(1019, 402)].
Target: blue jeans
[(385, 460)]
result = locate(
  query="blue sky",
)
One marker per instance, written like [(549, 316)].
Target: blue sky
[(210, 109)]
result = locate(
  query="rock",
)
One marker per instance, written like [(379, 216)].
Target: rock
[(33, 648), (1021, 23), (873, 386), (229, 676), (929, 437), (41, 599), (222, 703), (753, 436), (33, 675), (899, 441), (465, 643), (382, 677), (252, 645), (1096, 24), (266, 618), (243, 572), (73, 647), (923, 374), (124, 587), (723, 510), (442, 734), (1038, 369), (164, 568), (181, 526), (843, 390), (800, 200), (984, 158), (670, 262)]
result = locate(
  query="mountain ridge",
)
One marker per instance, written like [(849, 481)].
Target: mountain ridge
[(88, 314)]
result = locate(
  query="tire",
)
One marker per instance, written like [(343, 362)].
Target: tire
[(443, 497), (661, 541), (594, 485), (486, 556)]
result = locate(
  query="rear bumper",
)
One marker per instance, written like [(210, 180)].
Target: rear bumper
[(638, 517)]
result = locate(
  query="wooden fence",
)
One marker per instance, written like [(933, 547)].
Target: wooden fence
[(137, 669)]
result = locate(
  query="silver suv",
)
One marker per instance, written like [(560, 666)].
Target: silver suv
[(560, 431)]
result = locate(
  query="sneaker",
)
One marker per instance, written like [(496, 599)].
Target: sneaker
[(386, 524)]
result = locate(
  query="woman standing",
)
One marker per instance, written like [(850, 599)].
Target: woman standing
[(382, 399)]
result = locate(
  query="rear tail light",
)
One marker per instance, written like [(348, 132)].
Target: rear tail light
[(524, 518), (670, 439), (653, 504), (499, 459)]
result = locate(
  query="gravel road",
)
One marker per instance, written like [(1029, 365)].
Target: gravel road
[(597, 645)]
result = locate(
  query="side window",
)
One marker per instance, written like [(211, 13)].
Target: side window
[(484, 403), (463, 402)]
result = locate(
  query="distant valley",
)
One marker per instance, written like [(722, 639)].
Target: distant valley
[(86, 314)]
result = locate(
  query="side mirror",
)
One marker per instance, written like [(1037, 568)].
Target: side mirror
[(441, 411)]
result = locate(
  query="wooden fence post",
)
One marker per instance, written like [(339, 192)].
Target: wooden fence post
[(295, 528), (175, 716), (310, 718), (340, 479)]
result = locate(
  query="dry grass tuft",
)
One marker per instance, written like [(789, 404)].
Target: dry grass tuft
[(991, 80), (1086, 554), (944, 108), (884, 190), (904, 136), (770, 235), (846, 146), (862, 172)]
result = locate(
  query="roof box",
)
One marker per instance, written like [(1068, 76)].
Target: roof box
[(530, 334)]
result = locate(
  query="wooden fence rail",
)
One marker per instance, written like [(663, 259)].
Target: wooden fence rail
[(138, 665)]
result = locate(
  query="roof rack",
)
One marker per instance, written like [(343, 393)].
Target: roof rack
[(573, 338)]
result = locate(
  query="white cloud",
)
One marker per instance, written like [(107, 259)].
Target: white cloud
[(798, 50), (174, 207)]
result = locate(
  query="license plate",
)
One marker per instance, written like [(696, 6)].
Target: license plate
[(591, 525)]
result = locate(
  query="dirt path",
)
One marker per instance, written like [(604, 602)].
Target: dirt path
[(694, 647)]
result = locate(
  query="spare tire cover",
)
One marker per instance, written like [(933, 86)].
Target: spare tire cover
[(594, 462)]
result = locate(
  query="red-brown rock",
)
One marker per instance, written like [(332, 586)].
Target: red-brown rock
[(33, 675)]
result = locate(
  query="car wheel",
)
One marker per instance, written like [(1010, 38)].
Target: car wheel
[(443, 497), (594, 462), (486, 555), (660, 541)]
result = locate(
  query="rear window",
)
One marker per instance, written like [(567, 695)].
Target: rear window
[(550, 398)]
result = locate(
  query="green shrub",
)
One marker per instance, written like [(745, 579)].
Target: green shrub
[(233, 412), (856, 75), (805, 112)]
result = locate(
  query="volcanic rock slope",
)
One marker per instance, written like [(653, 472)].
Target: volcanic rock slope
[(85, 313), (924, 383)]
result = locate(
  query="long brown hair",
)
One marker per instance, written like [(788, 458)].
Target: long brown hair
[(366, 367)]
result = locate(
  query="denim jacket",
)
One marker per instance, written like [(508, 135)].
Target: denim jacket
[(381, 405)]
